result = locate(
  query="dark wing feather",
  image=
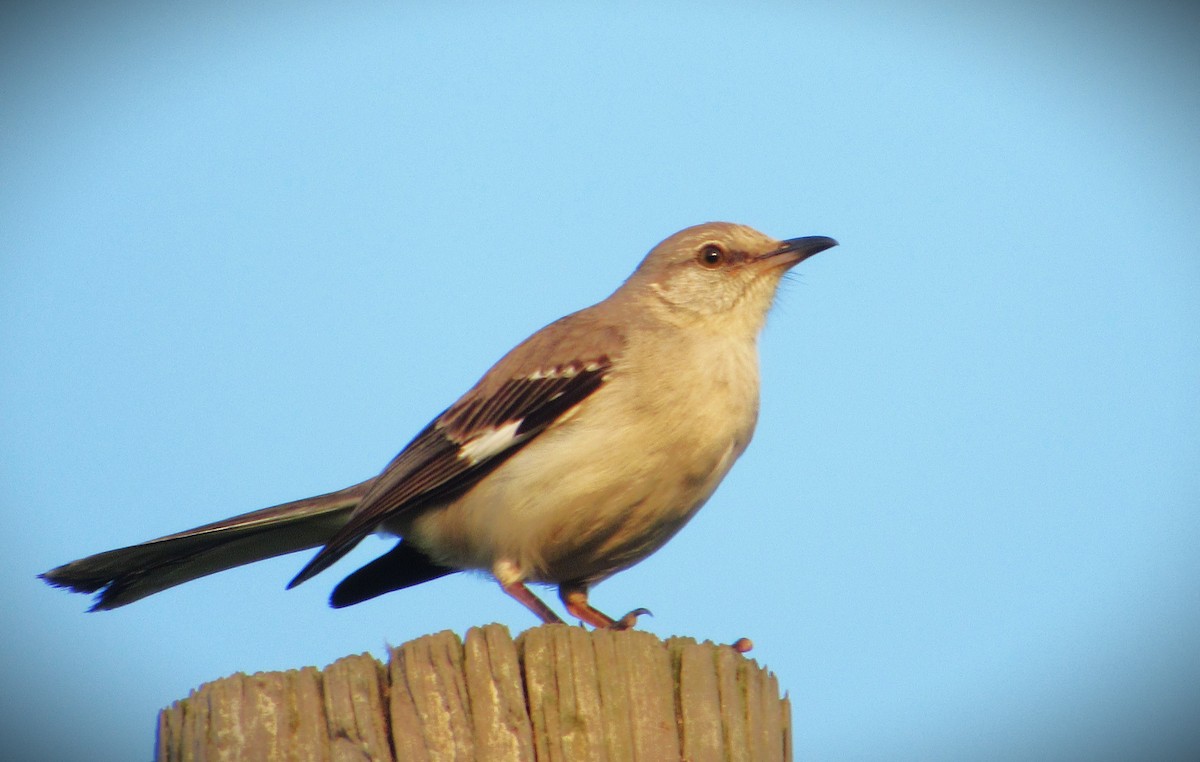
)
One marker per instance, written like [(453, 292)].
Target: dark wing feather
[(402, 566), (435, 468)]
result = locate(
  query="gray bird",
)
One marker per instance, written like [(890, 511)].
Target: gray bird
[(580, 453)]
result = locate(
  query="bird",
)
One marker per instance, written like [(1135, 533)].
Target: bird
[(578, 454)]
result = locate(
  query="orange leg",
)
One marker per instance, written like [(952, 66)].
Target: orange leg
[(532, 602), (575, 598)]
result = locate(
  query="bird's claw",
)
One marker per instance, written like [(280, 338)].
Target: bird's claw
[(628, 621)]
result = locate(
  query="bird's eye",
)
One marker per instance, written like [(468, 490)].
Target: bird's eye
[(712, 256)]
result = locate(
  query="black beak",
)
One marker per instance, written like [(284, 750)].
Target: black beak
[(803, 248)]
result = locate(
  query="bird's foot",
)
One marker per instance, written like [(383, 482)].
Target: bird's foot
[(575, 598), (628, 621)]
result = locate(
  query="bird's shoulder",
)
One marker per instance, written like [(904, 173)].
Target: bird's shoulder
[(539, 379), (582, 341)]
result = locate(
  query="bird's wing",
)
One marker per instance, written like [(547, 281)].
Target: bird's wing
[(524, 394)]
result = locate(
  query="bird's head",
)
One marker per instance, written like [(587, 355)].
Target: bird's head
[(718, 270)]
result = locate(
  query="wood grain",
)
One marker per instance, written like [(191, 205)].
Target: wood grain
[(554, 694)]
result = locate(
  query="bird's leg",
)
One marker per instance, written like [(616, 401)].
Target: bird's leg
[(532, 602), (575, 597)]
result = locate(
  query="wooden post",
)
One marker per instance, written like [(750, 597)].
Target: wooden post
[(555, 694)]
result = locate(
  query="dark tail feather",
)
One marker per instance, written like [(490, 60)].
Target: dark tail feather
[(127, 574), (402, 566)]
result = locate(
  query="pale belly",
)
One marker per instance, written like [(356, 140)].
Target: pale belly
[(606, 487), (575, 506)]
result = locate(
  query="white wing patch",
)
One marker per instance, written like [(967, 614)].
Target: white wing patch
[(568, 370), (490, 442)]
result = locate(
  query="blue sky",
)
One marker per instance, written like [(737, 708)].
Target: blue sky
[(246, 254)]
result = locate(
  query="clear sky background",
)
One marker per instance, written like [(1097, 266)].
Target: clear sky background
[(247, 253)]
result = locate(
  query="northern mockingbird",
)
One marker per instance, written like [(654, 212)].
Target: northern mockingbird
[(577, 455)]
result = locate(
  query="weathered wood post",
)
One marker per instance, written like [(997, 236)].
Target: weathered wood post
[(556, 694)]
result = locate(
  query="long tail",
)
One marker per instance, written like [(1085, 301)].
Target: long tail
[(128, 574)]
